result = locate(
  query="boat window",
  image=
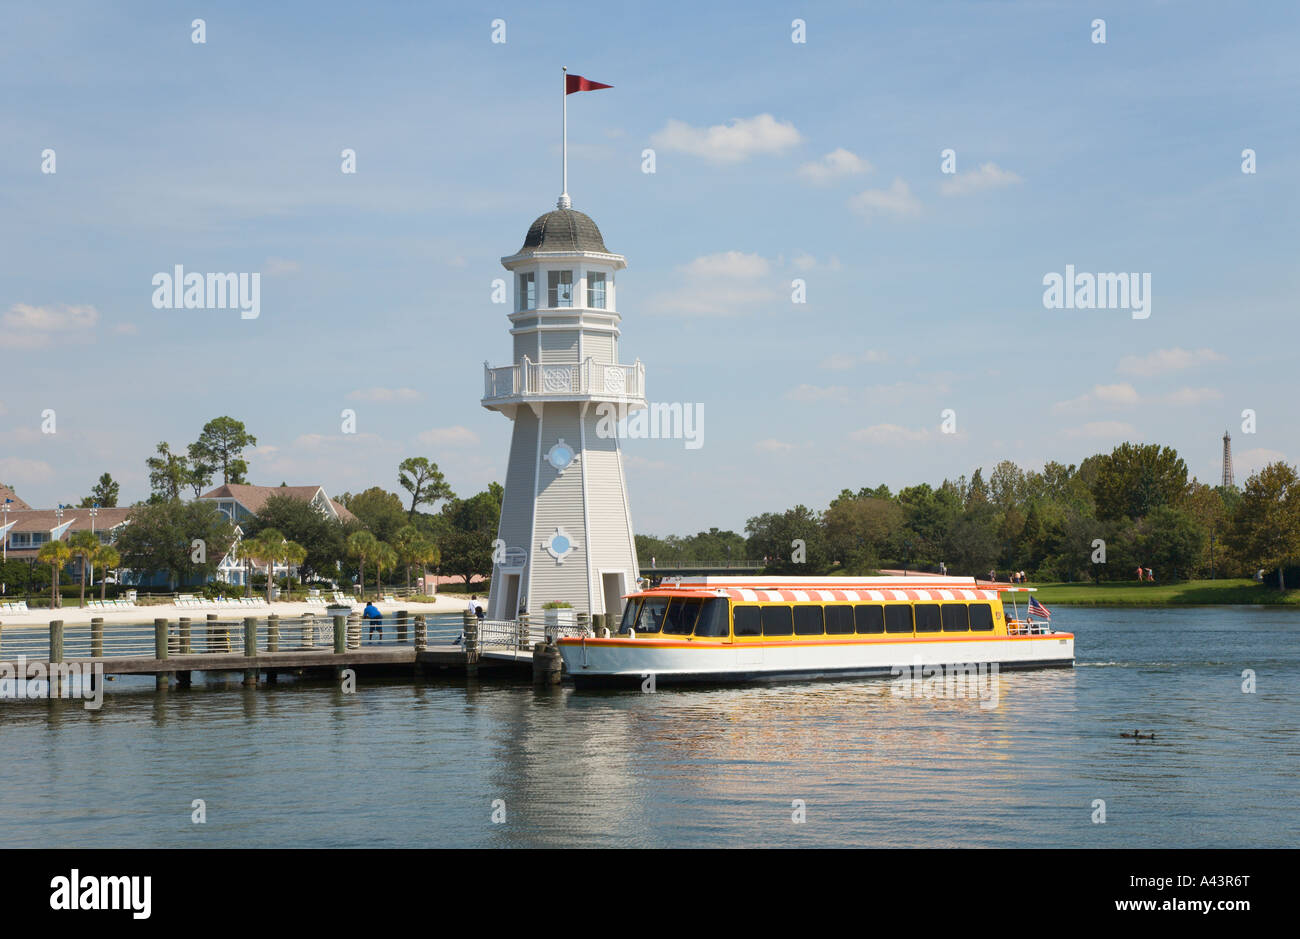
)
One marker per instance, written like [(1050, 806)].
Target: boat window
[(981, 616), (839, 619), (954, 618), (871, 618), (651, 616), (713, 619), (777, 620), (898, 618), (808, 621), (629, 615), (745, 621), (680, 618), (927, 617)]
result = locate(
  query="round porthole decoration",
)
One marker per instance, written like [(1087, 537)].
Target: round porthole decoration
[(560, 456), (559, 545)]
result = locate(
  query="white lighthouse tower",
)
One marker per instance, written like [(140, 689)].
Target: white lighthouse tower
[(566, 528)]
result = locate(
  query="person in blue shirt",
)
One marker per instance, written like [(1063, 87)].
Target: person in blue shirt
[(371, 613)]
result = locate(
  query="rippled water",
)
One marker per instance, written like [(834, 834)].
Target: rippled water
[(407, 765)]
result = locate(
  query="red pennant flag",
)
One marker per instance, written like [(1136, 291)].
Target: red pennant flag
[(574, 83)]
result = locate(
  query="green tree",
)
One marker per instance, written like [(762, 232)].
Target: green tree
[(470, 527), (793, 541), (385, 559), (424, 481), (859, 529), (169, 473), (1172, 542), (413, 547), (1266, 530), (56, 554), (84, 545), (160, 536), (363, 545), (1136, 478), (300, 521), (104, 494), (378, 510), (109, 559), (220, 447)]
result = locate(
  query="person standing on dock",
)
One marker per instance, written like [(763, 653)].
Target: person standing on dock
[(372, 614)]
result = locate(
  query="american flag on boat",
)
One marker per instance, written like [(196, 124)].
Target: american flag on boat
[(1037, 609)]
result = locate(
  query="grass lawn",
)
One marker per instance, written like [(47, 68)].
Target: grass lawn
[(1131, 593)]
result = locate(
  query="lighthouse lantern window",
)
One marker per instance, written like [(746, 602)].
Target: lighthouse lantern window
[(596, 289), (559, 288), (528, 291)]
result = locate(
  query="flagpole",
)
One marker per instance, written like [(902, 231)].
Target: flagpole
[(564, 137)]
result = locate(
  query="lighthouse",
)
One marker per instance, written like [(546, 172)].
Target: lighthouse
[(566, 527)]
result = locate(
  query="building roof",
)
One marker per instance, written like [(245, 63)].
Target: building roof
[(254, 498), (43, 520), (16, 503), (564, 230)]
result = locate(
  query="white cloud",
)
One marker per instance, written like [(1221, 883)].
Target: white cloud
[(1106, 429), (30, 327), (1121, 394), (384, 394), (17, 470), (733, 142), (838, 361), (1167, 360), (280, 266), (725, 284), (897, 200), (988, 176), (889, 433), (727, 264), (448, 437), (807, 262), (126, 329), (1190, 396), (771, 445), (1252, 461), (837, 164)]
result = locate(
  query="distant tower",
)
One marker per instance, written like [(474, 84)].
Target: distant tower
[(566, 529), (1227, 460)]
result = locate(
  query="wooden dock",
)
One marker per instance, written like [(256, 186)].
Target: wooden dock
[(172, 650)]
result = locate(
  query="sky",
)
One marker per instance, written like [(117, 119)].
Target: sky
[(774, 161)]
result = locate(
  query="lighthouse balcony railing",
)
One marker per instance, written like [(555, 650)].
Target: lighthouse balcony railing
[(585, 378)]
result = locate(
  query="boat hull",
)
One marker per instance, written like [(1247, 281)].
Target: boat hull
[(603, 662)]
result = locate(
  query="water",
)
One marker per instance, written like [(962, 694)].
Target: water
[(408, 765)]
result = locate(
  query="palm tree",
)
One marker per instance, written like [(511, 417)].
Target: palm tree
[(108, 558), (385, 557), (85, 546), (268, 548), (246, 551), (413, 547), (362, 545), (293, 554), (56, 554)]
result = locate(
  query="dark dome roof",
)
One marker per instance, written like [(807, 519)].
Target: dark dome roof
[(564, 230)]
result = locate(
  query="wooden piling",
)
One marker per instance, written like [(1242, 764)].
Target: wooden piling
[(183, 636), (547, 664), (56, 654), (273, 633), (307, 635), (354, 630), (160, 638), (340, 634), (470, 631), (421, 633), (250, 648), (401, 626), (97, 637)]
